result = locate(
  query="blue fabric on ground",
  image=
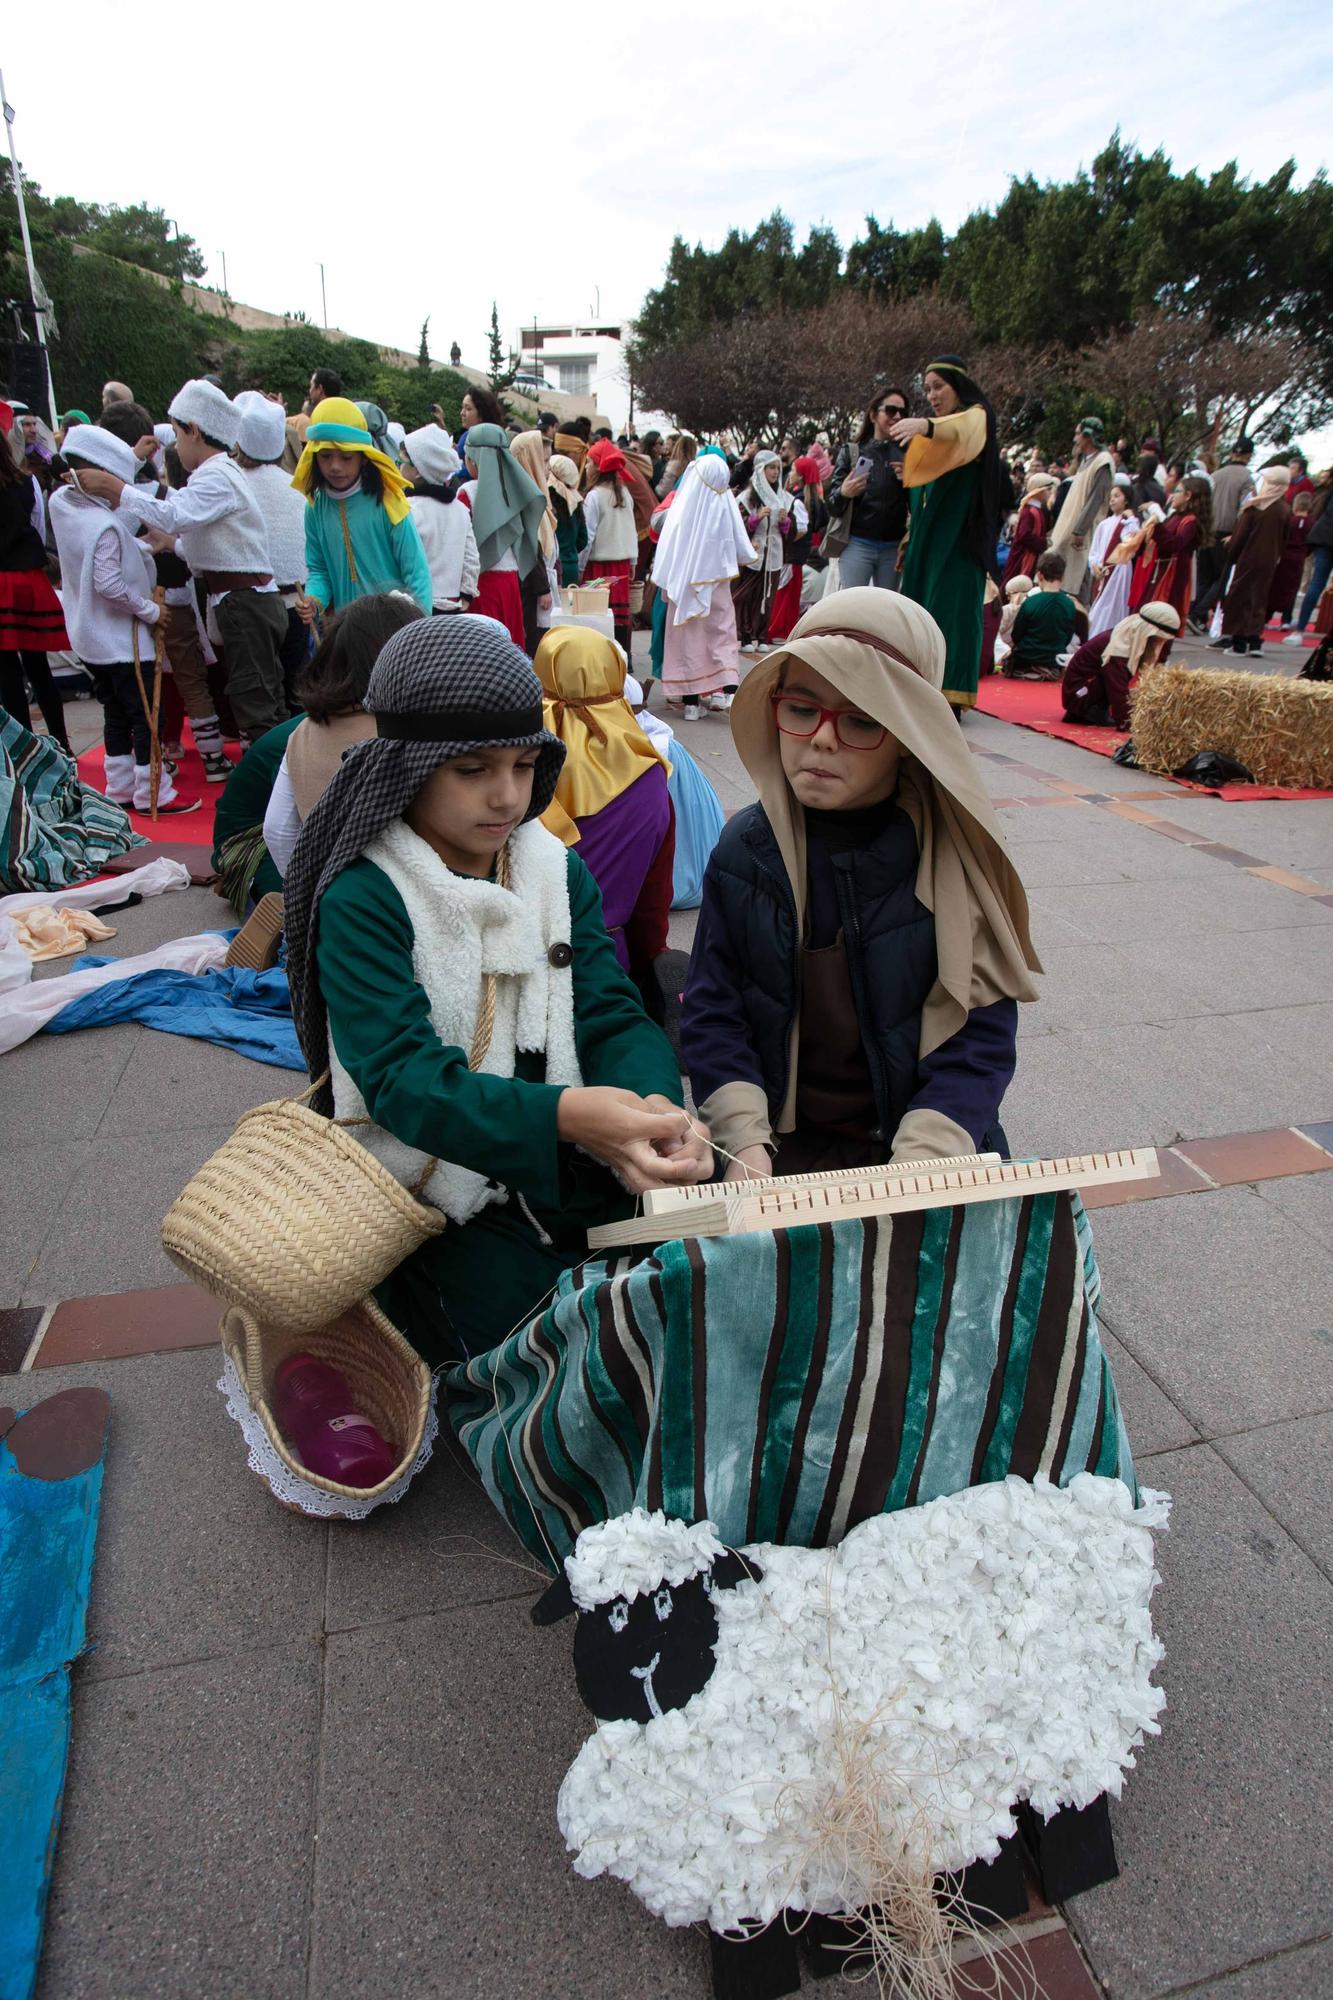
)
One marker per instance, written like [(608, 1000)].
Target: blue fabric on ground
[(250, 1012), (48, 1531)]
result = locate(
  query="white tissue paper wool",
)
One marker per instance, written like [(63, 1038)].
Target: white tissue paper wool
[(957, 1657)]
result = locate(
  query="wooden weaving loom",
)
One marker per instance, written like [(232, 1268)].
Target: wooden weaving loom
[(784, 1201)]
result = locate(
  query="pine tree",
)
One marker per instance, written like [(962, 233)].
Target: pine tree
[(500, 375), (423, 352)]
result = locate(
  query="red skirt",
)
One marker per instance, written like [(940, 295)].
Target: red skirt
[(31, 620), (785, 609), (499, 597), (618, 574)]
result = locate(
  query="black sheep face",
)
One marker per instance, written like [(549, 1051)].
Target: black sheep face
[(636, 1658)]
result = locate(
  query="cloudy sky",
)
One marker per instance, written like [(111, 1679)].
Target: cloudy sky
[(417, 163)]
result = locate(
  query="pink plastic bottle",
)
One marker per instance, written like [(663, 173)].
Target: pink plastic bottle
[(315, 1413)]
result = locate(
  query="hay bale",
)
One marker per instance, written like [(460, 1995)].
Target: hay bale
[(1281, 730)]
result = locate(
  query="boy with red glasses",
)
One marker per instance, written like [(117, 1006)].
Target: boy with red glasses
[(863, 937)]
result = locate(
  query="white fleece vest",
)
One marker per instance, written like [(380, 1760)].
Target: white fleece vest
[(101, 633), (461, 929)]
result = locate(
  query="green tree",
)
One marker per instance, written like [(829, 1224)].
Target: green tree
[(501, 373), (759, 272), (891, 263), (116, 321), (143, 235), (423, 351)]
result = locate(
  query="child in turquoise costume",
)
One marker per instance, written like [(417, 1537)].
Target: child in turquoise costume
[(360, 537)]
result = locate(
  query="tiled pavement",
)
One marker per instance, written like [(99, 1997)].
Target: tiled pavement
[(322, 1762)]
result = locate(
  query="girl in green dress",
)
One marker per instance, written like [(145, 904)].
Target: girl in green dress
[(952, 475), (423, 891)]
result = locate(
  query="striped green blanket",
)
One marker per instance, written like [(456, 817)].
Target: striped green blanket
[(788, 1386), (56, 830)]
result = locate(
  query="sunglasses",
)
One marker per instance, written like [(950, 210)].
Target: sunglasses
[(795, 717)]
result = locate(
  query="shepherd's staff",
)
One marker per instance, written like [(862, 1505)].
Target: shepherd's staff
[(153, 708)]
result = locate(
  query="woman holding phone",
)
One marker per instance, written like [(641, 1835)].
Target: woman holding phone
[(867, 479)]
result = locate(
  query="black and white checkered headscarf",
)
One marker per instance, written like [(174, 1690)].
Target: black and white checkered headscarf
[(440, 687)]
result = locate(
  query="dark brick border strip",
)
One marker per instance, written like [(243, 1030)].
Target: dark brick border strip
[(120, 1324), (1128, 806)]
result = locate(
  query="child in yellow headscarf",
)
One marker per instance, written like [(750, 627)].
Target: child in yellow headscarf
[(613, 787), (360, 537)]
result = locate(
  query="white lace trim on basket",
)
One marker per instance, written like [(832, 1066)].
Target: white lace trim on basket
[(288, 1485)]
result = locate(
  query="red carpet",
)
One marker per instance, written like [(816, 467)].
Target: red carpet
[(1037, 705), (195, 829)]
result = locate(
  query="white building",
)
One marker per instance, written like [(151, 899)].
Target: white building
[(576, 358)]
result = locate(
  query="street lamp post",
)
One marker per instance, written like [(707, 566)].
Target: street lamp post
[(324, 297), (40, 301)]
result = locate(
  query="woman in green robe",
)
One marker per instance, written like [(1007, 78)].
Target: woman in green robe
[(423, 894), (952, 475)]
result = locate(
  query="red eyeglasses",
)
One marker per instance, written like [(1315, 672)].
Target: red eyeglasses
[(797, 717)]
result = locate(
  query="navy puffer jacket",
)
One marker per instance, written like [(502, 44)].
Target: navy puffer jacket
[(742, 990)]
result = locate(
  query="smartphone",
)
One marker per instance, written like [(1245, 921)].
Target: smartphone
[(863, 465)]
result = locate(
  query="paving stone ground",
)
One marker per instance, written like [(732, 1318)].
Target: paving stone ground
[(320, 1763)]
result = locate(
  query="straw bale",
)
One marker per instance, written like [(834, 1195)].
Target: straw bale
[(1281, 730)]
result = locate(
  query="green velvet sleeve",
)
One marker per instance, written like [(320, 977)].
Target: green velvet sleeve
[(422, 1091), (414, 1086)]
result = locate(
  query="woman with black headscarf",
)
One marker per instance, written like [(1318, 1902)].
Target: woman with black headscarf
[(423, 894), (952, 474)]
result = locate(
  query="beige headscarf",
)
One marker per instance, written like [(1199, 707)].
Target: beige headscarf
[(886, 656), (1273, 483), (1131, 638), (565, 481), (527, 448)]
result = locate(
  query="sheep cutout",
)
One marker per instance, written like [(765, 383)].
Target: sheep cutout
[(942, 1663), (648, 1628)]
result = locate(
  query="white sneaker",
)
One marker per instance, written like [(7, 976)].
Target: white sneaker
[(1294, 639), (692, 712)]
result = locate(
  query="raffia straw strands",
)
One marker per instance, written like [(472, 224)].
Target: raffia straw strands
[(876, 1835), (389, 1381), (1281, 730)]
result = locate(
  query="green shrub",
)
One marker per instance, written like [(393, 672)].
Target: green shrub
[(115, 323)]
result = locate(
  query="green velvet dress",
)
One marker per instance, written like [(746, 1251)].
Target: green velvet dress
[(939, 575), (464, 1291)]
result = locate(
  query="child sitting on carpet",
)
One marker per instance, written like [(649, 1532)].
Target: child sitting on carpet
[(360, 537), (1096, 683), (863, 937), (612, 797), (332, 691), (423, 880), (1047, 620), (1015, 594), (110, 614)]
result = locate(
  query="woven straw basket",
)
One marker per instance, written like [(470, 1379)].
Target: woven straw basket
[(293, 1220), (389, 1381)]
